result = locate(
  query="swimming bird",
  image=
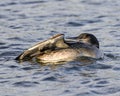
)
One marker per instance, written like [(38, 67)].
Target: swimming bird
[(57, 49)]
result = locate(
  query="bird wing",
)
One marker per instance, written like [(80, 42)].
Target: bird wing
[(57, 41)]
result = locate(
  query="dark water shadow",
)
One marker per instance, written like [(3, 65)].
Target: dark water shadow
[(112, 56)]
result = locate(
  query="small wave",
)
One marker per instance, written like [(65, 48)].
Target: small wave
[(52, 78), (8, 4), (107, 91), (111, 56), (82, 22), (25, 84), (99, 66), (75, 24), (34, 2)]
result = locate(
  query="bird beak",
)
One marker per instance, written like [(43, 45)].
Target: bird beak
[(74, 39)]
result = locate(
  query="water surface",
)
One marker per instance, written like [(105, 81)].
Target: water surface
[(25, 22)]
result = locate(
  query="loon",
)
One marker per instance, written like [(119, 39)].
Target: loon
[(57, 49)]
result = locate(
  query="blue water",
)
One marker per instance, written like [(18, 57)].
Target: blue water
[(26, 22)]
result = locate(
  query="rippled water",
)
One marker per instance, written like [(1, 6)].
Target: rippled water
[(25, 22)]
